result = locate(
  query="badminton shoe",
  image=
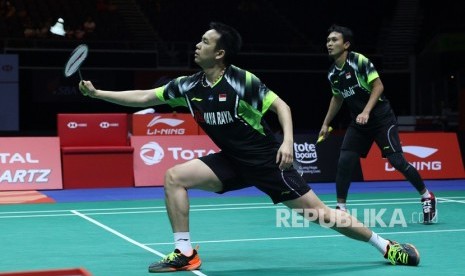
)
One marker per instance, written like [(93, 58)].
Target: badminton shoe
[(429, 208), (176, 261), (402, 254)]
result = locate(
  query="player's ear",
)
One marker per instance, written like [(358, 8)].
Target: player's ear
[(346, 45), (220, 54)]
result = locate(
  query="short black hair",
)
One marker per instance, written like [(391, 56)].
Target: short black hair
[(347, 34), (230, 41)]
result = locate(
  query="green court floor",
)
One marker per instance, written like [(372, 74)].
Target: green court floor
[(236, 235)]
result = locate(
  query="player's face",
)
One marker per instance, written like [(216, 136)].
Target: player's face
[(205, 52), (335, 45)]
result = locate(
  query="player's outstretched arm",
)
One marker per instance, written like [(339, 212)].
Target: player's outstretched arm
[(133, 98)]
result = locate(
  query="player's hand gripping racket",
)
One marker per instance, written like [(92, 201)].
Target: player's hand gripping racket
[(322, 138), (75, 60)]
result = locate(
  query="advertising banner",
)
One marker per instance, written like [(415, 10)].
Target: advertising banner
[(49, 85), (9, 93), (153, 155), (99, 129), (30, 163), (9, 68), (318, 162), (164, 124), (9, 106), (434, 155)]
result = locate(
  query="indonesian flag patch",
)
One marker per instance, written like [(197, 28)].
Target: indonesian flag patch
[(348, 76), (222, 97)]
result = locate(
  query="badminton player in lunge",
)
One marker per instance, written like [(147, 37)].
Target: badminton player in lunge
[(229, 104), (354, 80)]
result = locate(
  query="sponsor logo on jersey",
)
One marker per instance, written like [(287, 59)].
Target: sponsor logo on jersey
[(349, 91), (218, 118)]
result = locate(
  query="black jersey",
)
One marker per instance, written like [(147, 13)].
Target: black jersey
[(231, 112), (353, 83)]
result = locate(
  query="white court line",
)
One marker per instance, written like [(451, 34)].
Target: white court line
[(36, 216), (134, 208), (451, 200), (195, 208), (270, 206), (126, 238), (311, 237), (266, 204), (247, 208)]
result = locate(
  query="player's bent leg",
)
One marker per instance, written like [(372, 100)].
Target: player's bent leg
[(349, 226), (428, 199), (193, 174)]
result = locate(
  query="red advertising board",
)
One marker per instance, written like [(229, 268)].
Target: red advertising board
[(164, 124), (154, 155), (434, 155), (93, 130), (30, 163)]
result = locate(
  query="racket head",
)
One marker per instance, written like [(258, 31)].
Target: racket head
[(75, 60)]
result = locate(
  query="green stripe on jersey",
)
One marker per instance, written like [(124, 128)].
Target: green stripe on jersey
[(172, 102), (252, 116)]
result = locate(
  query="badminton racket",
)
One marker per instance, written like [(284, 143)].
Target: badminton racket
[(75, 60)]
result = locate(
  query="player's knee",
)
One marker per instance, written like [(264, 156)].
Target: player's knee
[(398, 161), (172, 178), (347, 159)]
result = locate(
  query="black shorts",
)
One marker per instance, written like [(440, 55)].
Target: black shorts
[(360, 140), (278, 185)]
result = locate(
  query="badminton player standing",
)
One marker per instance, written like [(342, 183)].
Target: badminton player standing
[(354, 79), (229, 104)]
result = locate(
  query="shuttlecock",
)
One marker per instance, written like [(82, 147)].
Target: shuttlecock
[(58, 28)]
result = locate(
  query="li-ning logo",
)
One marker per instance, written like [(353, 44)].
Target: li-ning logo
[(170, 122), (421, 152), (171, 128), (151, 153), (418, 151), (75, 125), (107, 124)]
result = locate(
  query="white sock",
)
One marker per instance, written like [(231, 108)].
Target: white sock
[(378, 242), (426, 194), (182, 241), (342, 206)]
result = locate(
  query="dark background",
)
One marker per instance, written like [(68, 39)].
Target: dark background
[(417, 46)]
